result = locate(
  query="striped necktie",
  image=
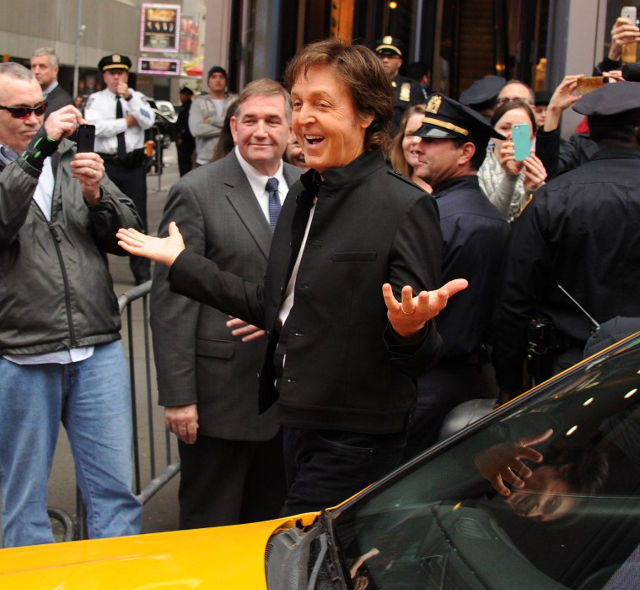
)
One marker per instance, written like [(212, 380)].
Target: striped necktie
[(274, 202)]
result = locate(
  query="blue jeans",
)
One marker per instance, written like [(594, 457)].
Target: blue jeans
[(92, 399)]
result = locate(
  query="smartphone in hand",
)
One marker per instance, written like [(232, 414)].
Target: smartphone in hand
[(86, 138), (521, 135), (630, 50), (629, 12), (587, 84)]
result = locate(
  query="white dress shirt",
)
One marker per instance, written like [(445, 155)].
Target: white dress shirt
[(101, 112), (258, 183)]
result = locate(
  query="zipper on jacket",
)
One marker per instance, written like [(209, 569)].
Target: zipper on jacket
[(57, 240), (65, 279)]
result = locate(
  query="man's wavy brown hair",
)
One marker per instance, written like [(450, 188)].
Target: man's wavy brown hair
[(360, 69)]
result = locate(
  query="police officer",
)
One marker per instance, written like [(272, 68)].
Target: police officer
[(405, 90), (482, 95), (452, 146), (121, 116), (579, 232)]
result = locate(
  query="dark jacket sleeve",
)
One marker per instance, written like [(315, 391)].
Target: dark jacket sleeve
[(548, 150), (606, 65), (561, 156), (174, 318), (18, 182), (201, 279), (115, 210), (416, 260)]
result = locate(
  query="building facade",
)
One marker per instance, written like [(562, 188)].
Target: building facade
[(537, 41)]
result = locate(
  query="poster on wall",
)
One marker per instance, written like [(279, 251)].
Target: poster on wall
[(164, 66), (160, 27)]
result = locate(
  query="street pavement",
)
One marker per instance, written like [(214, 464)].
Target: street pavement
[(160, 513)]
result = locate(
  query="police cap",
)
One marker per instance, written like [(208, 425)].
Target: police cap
[(613, 104), (542, 98), (114, 62), (389, 45), (447, 119), (483, 90)]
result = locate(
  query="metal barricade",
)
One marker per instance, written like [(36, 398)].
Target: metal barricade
[(155, 480)]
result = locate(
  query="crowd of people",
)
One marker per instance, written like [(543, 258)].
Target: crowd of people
[(368, 247)]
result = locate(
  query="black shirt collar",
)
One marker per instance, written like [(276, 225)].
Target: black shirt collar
[(353, 173)]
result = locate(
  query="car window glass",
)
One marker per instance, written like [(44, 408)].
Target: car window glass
[(574, 523)]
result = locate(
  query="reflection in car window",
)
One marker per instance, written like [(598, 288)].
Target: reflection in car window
[(544, 496)]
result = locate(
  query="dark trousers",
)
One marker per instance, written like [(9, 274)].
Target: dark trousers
[(325, 467), (225, 482), (185, 157), (133, 183), (439, 391)]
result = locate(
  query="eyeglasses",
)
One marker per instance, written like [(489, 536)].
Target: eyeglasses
[(506, 99), (24, 112)]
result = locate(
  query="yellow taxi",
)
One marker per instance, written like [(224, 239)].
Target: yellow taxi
[(543, 493)]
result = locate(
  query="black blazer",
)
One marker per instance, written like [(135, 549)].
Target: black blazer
[(344, 369), (57, 98)]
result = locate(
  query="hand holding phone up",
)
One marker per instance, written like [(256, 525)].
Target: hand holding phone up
[(521, 134), (86, 138)]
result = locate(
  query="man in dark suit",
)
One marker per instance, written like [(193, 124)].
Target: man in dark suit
[(44, 65), (206, 376)]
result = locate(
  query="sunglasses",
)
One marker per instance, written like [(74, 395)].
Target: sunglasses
[(24, 112)]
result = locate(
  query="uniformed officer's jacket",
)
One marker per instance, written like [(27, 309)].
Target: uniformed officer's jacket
[(474, 237), (579, 231), (101, 112), (405, 93)]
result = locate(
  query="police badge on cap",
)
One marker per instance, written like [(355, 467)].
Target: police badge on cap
[(447, 119), (389, 45), (114, 62)]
